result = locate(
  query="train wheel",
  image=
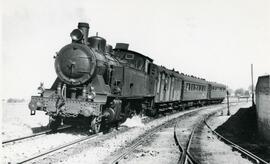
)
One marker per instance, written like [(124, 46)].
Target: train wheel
[(54, 123), (152, 112), (95, 125)]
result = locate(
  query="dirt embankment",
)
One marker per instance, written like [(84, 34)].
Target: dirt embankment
[(241, 128)]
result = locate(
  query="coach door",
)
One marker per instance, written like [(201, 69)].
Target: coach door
[(152, 82), (209, 91), (182, 89)]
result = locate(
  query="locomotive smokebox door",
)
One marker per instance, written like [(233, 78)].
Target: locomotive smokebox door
[(75, 64)]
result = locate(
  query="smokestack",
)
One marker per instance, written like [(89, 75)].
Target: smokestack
[(84, 27)]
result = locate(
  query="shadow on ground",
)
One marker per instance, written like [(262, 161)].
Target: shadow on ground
[(39, 129), (241, 128), (72, 130)]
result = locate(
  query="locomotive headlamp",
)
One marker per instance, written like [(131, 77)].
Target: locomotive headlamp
[(76, 35)]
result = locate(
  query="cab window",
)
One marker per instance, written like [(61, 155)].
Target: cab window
[(135, 61)]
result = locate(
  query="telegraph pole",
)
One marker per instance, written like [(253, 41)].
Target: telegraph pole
[(252, 86), (228, 104)]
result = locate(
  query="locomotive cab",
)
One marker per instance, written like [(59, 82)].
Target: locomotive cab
[(131, 58)]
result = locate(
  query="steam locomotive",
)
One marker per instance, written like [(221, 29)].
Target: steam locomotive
[(97, 85)]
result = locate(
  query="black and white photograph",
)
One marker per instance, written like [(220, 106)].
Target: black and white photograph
[(135, 81)]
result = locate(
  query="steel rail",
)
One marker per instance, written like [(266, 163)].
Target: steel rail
[(137, 143), (185, 156), (58, 148), (243, 151), (86, 138), (191, 159), (35, 135), (141, 139)]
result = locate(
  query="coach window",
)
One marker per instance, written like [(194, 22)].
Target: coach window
[(140, 63), (129, 57)]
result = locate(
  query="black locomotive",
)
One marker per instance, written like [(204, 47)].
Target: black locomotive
[(97, 85)]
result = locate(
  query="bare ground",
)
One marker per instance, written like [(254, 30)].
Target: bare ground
[(208, 149), (242, 129)]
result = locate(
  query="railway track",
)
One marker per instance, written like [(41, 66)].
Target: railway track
[(120, 155), (185, 157), (245, 153), (33, 156), (30, 149), (49, 151), (46, 132)]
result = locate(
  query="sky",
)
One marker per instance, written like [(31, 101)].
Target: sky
[(213, 39)]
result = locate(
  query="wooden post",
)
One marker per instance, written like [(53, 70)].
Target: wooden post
[(228, 104)]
